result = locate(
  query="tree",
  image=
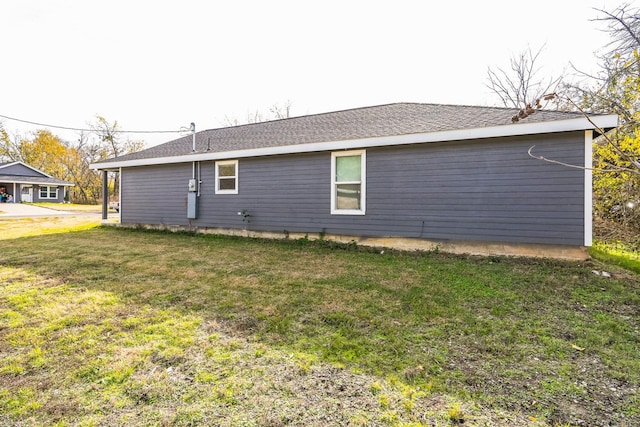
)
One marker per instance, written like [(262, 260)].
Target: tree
[(616, 89), (44, 152), (111, 144), (48, 153), (277, 112), (521, 86), (70, 161), (4, 142)]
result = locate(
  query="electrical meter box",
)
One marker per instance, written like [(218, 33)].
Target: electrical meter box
[(192, 199)]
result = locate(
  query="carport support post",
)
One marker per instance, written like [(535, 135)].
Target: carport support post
[(105, 196)]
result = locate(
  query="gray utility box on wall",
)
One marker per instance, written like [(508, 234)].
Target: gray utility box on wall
[(192, 200)]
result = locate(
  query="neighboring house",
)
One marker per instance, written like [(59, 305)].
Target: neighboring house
[(27, 184), (420, 176)]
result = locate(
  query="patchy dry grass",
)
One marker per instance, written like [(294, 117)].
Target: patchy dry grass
[(25, 227), (122, 327), (69, 207)]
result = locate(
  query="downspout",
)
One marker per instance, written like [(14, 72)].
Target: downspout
[(120, 195), (193, 130), (194, 184), (193, 149), (198, 180)]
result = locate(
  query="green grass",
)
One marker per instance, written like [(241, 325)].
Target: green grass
[(618, 254), (115, 326)]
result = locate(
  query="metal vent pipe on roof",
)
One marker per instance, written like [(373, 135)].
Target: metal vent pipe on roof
[(193, 130)]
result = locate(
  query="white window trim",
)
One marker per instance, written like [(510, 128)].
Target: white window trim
[(47, 197), (363, 182), (224, 163)]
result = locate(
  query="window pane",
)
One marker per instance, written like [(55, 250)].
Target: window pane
[(348, 196), (227, 170), (43, 192), (227, 184), (348, 168)]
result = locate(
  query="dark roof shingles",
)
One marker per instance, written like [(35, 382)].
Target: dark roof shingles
[(43, 180), (367, 122)]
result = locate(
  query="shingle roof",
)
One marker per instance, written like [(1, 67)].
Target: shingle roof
[(367, 122)]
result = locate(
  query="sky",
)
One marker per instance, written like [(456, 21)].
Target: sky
[(160, 65)]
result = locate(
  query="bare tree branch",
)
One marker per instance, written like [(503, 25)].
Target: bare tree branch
[(569, 165), (624, 27), (520, 86)]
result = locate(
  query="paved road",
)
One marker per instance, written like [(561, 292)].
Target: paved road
[(20, 210)]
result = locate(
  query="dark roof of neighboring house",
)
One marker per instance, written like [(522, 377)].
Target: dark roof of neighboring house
[(35, 180), (368, 122), (40, 179)]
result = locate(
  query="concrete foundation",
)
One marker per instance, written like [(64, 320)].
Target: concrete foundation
[(481, 248)]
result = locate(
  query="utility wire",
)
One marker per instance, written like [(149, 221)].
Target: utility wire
[(88, 130)]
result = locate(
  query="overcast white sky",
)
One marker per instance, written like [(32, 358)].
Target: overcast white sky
[(157, 64)]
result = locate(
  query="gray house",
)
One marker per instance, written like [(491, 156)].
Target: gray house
[(24, 183), (460, 178)]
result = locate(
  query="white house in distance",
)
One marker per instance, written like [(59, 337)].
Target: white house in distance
[(25, 183)]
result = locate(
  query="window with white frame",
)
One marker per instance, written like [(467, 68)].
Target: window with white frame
[(227, 177), (348, 182), (48, 192)]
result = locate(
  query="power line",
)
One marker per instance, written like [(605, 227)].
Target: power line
[(87, 130)]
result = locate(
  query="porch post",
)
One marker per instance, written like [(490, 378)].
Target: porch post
[(105, 196)]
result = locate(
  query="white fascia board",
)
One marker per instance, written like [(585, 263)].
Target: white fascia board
[(516, 129)]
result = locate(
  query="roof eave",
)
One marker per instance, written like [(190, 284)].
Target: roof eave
[(37, 182), (515, 129)]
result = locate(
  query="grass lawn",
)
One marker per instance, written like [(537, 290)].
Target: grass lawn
[(25, 227), (72, 207), (108, 326)]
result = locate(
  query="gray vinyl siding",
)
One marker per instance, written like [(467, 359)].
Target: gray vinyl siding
[(155, 194), (486, 190), (59, 199)]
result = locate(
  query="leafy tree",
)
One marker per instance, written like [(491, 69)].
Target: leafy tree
[(70, 160), (44, 152), (4, 142), (616, 89)]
